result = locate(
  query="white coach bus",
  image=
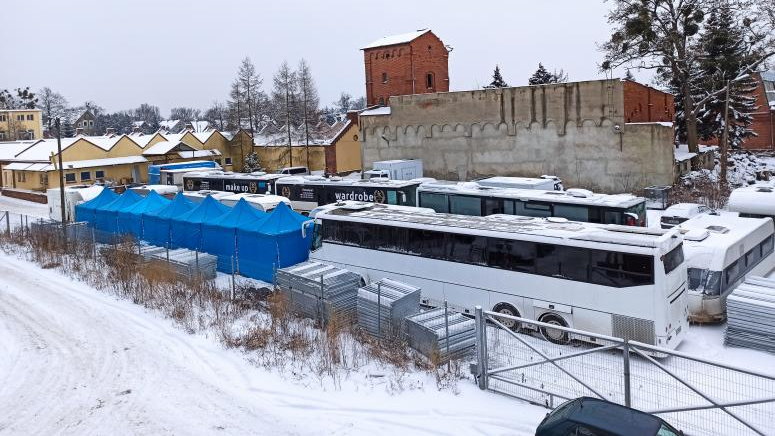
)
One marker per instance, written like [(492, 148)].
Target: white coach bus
[(615, 280), (755, 201), (721, 250)]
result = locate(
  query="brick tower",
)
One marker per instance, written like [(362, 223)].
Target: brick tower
[(410, 63)]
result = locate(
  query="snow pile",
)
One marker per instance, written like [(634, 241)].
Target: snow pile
[(743, 169)]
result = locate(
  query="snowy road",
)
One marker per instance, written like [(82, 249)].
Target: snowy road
[(75, 361)]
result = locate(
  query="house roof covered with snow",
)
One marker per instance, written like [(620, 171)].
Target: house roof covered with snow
[(322, 134), (402, 38), (112, 161), (165, 147), (383, 110)]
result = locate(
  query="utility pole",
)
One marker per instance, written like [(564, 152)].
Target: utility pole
[(58, 124), (725, 138)]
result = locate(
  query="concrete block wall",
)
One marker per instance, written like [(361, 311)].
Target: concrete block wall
[(574, 130)]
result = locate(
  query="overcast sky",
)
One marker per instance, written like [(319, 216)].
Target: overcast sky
[(121, 53)]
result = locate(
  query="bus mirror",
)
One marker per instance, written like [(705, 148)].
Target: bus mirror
[(403, 197)]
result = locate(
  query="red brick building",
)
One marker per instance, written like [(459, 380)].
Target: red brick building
[(764, 117), (410, 63), (644, 104)]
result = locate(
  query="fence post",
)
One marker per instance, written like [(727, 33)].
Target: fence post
[(446, 330), (481, 348), (7, 224), (321, 305), (379, 309), (93, 244), (232, 278), (626, 361)]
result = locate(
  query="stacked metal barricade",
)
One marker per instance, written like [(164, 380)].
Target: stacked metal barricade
[(751, 315), (440, 334), (187, 264), (383, 305), (317, 290)]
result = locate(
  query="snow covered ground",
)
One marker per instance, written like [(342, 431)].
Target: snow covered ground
[(74, 360), (15, 205)]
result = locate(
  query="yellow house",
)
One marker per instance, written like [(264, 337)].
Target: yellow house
[(21, 124), (333, 149)]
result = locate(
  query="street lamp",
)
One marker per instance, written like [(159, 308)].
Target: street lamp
[(58, 124)]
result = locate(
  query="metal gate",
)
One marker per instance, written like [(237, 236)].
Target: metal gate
[(694, 394)]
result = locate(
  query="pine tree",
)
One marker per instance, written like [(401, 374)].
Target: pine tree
[(250, 85), (251, 163), (542, 76), (723, 56), (497, 79)]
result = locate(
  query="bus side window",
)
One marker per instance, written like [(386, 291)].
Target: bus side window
[(465, 205), (572, 212), (437, 202), (508, 207), (493, 206), (392, 198), (612, 217), (533, 209)]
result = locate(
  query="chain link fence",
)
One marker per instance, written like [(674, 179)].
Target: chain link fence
[(696, 395)]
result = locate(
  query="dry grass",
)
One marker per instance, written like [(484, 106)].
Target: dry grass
[(258, 322)]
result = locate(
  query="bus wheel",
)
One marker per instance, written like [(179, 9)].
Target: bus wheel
[(555, 336), (507, 309)]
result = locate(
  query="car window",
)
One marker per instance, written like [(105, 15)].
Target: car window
[(666, 431)]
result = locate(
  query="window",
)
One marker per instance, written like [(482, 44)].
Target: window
[(20, 176), (100, 174), (437, 202), (512, 255), (620, 270), (2, 135), (572, 212), (85, 175), (467, 248), (384, 78), (733, 272), (532, 209), (426, 243), (463, 205), (228, 161), (19, 117), (3, 118), (70, 177), (218, 161), (43, 179), (705, 281), (91, 123), (767, 246), (429, 82), (673, 259), (30, 117), (493, 206)]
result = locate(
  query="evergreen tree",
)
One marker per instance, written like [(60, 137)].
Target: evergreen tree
[(497, 79), (20, 99), (251, 163), (249, 82), (542, 76), (284, 102), (723, 56)]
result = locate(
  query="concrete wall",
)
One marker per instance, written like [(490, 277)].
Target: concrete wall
[(562, 129)]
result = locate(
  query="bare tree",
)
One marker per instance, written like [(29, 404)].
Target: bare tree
[(310, 102), (185, 114), (217, 115), (283, 98), (53, 105), (250, 85)]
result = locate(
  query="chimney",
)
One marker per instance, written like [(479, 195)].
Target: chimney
[(78, 131), (110, 131), (353, 116), (189, 127)]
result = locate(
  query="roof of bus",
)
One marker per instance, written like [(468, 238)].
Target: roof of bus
[(572, 196), (198, 173), (755, 199), (714, 241), (256, 198), (339, 181), (503, 225)]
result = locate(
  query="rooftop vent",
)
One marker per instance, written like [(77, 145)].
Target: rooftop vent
[(718, 229)]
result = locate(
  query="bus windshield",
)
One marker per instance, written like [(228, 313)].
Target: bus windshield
[(705, 281), (673, 259)]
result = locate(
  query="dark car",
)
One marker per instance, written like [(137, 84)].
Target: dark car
[(593, 417)]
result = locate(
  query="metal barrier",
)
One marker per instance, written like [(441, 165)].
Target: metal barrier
[(696, 395)]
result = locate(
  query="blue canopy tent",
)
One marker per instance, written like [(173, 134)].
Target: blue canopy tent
[(85, 211), (106, 216), (186, 230), (130, 219), (156, 224), (219, 237), (275, 242)]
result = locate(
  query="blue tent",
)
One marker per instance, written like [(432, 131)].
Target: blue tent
[(186, 230), (106, 216), (156, 224), (219, 237), (275, 242), (85, 211), (130, 219)]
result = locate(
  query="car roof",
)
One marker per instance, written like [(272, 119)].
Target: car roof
[(611, 417)]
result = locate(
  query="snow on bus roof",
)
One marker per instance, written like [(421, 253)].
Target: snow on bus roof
[(502, 225), (320, 180), (754, 199), (714, 241), (572, 196)]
